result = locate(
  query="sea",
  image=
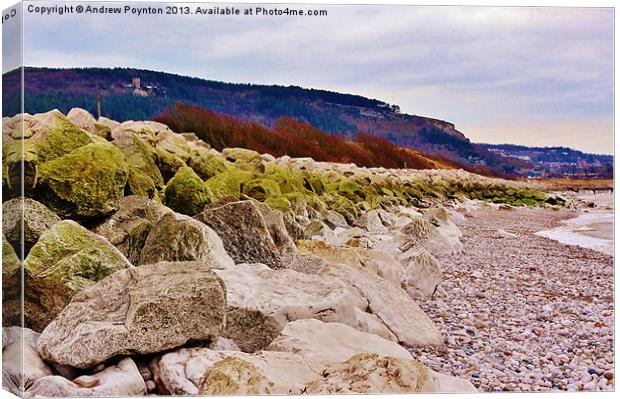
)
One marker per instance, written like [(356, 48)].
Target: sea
[(593, 228)]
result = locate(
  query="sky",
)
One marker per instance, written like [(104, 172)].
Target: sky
[(536, 76)]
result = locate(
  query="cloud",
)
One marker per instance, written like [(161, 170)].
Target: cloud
[(473, 66)]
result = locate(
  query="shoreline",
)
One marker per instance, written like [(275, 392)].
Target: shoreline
[(523, 313), (591, 228)]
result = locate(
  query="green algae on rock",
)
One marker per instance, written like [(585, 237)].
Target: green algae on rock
[(87, 182), (66, 259), (186, 192)]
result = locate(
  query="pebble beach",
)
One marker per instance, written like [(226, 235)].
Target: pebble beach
[(522, 312)]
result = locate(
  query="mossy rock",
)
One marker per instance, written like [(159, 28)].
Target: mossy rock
[(10, 260), (12, 155), (229, 183), (351, 190), (187, 193), (281, 204), (261, 189), (206, 164), (174, 144), (66, 259), (59, 138), (168, 164), (343, 206), (103, 131), (88, 182), (140, 157), (245, 159), (140, 184)]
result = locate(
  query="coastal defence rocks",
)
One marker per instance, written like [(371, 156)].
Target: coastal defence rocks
[(230, 272), (140, 310)]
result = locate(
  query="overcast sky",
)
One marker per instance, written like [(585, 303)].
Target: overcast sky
[(534, 76)]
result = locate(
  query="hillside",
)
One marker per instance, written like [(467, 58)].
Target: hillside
[(336, 113)]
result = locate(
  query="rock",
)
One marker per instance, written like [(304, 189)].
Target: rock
[(87, 182), (377, 262), (439, 241), (309, 264), (108, 123), (55, 136), (83, 119), (11, 285), (128, 227), (390, 304), (202, 371), (274, 221), (21, 364), (244, 233), (207, 164), (144, 176), (173, 143), (261, 303), (333, 219), (228, 183), (187, 193), (374, 221), (506, 207), (504, 234), (122, 379), (245, 159), (422, 271), (66, 259), (146, 130), (180, 238), (36, 219), (328, 343), (140, 310), (372, 373)]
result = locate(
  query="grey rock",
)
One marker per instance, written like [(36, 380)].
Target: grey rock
[(36, 217), (140, 310)]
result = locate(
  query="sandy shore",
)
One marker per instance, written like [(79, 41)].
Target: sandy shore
[(525, 313)]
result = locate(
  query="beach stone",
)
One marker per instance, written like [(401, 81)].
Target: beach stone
[(140, 310), (177, 237), (21, 364), (243, 232), (328, 343), (36, 219), (128, 228), (66, 259), (122, 379), (504, 234), (202, 371), (261, 303)]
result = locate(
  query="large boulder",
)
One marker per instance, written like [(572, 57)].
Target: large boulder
[(187, 193), (328, 343), (422, 270), (274, 221), (87, 182), (66, 259), (260, 303), (244, 233), (144, 176), (128, 227), (178, 237), (122, 379), (391, 304), (86, 121), (377, 262), (21, 364), (27, 216), (173, 143), (208, 163), (140, 310), (202, 371)]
